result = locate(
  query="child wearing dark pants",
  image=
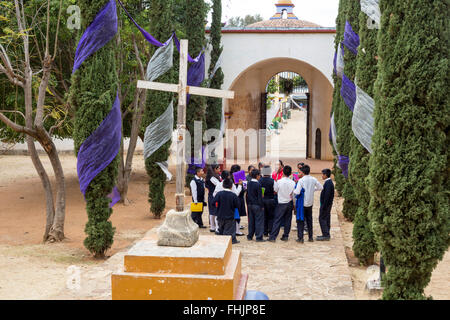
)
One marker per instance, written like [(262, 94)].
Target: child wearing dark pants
[(268, 183), (283, 212), (255, 208), (326, 203), (310, 185), (226, 203), (198, 195)]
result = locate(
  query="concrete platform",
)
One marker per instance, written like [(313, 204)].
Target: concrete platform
[(210, 270)]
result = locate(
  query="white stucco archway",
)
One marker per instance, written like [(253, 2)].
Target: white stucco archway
[(252, 56)]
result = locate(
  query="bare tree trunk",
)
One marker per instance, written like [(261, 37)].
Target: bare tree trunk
[(125, 167), (50, 207), (57, 228)]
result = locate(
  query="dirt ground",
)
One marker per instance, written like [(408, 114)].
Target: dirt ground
[(32, 270)]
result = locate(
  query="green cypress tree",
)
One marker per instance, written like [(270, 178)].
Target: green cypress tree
[(364, 245), (214, 105), (93, 92), (340, 23), (196, 11), (344, 114), (161, 27), (409, 176)]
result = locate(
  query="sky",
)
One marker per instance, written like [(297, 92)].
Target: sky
[(322, 12)]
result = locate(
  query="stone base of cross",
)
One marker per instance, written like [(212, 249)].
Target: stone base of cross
[(178, 229)]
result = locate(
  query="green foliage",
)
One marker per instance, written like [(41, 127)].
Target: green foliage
[(94, 89), (161, 26), (409, 176), (343, 116), (196, 11), (242, 22), (214, 108), (340, 23), (273, 86), (299, 81), (286, 85), (11, 97), (364, 245)]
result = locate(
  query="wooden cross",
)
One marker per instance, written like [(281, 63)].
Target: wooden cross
[(183, 89)]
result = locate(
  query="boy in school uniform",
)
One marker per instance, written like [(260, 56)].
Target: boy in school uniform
[(310, 184), (326, 203), (198, 195), (283, 212), (268, 184), (226, 203), (255, 208)]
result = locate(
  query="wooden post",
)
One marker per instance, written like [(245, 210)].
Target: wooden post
[(181, 127)]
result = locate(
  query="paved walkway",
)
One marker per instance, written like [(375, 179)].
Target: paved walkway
[(282, 270)]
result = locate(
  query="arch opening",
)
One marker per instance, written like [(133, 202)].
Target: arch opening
[(249, 108)]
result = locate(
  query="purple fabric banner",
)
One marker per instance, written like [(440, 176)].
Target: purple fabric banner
[(100, 148), (196, 74), (343, 162), (114, 196), (98, 34), (152, 40), (351, 39), (348, 92), (334, 62)]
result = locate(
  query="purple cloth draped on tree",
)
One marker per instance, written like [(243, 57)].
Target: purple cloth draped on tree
[(343, 162), (152, 40), (351, 39), (100, 149), (334, 62), (348, 92), (102, 146), (196, 74), (98, 34)]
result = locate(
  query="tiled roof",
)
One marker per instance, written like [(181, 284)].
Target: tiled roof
[(284, 23)]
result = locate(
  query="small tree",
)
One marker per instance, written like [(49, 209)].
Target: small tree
[(93, 92), (214, 105), (340, 23), (196, 12), (344, 114), (364, 245), (157, 102), (34, 79), (409, 176)]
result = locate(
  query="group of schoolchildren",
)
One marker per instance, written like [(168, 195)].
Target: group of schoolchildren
[(267, 198)]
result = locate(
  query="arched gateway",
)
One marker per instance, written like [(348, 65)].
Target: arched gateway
[(253, 55)]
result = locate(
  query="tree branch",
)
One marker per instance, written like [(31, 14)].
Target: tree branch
[(16, 127), (14, 111)]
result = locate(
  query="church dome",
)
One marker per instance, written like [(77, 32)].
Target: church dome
[(284, 18)]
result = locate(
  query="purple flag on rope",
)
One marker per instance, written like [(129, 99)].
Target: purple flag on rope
[(196, 74), (343, 162), (152, 40), (351, 39), (348, 92), (100, 148), (98, 34)]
